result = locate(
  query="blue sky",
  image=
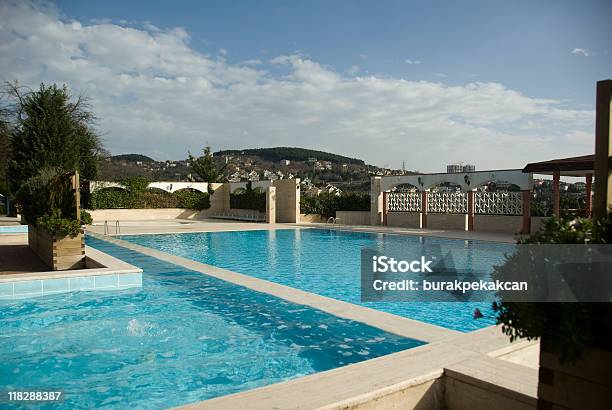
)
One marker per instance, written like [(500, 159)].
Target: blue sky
[(524, 44), (494, 83)]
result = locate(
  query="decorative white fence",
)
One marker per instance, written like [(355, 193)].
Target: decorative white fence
[(498, 203), (404, 201), (447, 202), (485, 203)]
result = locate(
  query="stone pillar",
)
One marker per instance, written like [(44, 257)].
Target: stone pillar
[(271, 205), (287, 200), (376, 200), (556, 177), (470, 214), (423, 209), (587, 195), (526, 213), (602, 199)]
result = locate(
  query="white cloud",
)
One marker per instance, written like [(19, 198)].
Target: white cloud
[(253, 61), (581, 52), (352, 70), (413, 62), (156, 95)]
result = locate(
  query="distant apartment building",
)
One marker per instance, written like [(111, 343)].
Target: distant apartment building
[(285, 162), (459, 168)]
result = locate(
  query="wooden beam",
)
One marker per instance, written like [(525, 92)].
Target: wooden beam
[(556, 178), (602, 199), (526, 213), (76, 185), (587, 193)]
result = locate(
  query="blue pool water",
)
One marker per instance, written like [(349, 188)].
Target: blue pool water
[(183, 337), (327, 262), (10, 229)]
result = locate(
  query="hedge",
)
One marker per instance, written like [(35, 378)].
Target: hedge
[(113, 198), (327, 204), (248, 199)]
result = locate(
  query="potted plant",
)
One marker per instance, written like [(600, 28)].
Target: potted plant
[(575, 338), (50, 207)]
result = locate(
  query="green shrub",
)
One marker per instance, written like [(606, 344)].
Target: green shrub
[(48, 193), (191, 199), (113, 198), (86, 218), (566, 328), (59, 226), (248, 199), (110, 198), (326, 204)]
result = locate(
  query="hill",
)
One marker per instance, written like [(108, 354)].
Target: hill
[(132, 158), (293, 154)]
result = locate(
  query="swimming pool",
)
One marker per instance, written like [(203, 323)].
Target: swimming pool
[(327, 262), (182, 338)]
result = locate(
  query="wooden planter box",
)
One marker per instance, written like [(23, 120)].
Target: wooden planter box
[(586, 384), (58, 253)]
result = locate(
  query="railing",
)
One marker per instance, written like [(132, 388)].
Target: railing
[(117, 228)]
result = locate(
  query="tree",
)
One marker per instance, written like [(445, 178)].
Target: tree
[(5, 132), (204, 167), (4, 157), (50, 129)]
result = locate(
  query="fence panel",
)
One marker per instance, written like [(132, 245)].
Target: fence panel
[(498, 203), (447, 202), (404, 202)]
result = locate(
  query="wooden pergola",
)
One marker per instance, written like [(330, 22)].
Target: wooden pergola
[(582, 166)]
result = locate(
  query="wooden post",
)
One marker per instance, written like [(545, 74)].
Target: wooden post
[(385, 204), (423, 209), (587, 193), (470, 215), (603, 150), (77, 194), (526, 212), (556, 177)]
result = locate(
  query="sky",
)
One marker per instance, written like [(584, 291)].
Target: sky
[(496, 84)]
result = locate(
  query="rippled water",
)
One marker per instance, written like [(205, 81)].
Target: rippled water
[(327, 262), (183, 337)]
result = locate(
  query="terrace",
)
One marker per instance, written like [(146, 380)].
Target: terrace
[(461, 365)]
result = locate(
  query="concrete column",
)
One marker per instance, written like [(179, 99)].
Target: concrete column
[(271, 205), (556, 177), (423, 209), (376, 201), (526, 213), (602, 199), (288, 200), (470, 214), (587, 193)]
